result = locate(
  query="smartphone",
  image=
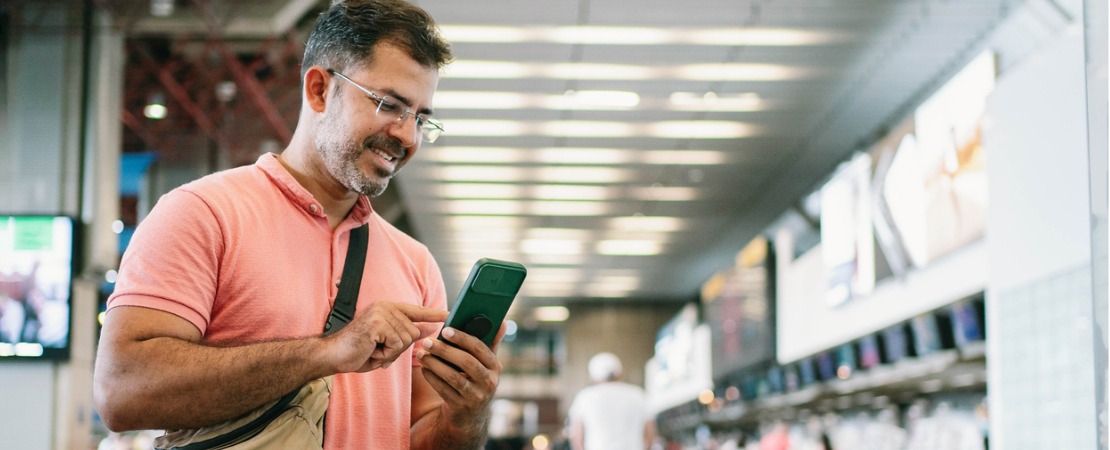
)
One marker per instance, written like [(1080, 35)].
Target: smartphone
[(485, 298)]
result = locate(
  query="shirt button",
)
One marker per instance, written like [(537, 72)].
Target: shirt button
[(314, 208), (337, 282)]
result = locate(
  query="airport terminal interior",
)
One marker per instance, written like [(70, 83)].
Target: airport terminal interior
[(800, 224)]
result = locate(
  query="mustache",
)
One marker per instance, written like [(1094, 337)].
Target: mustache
[(390, 145)]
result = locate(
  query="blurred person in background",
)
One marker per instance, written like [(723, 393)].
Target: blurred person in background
[(610, 414)]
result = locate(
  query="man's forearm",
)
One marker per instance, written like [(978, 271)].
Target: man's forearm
[(435, 432), (170, 383)]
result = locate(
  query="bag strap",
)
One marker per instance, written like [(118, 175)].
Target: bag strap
[(341, 314), (345, 300)]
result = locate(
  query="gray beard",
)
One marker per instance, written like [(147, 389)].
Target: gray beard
[(341, 158)]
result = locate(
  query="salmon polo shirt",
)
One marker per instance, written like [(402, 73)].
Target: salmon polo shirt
[(247, 255)]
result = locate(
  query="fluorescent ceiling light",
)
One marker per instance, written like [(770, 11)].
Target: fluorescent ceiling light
[(711, 101), (480, 191), (555, 275), (572, 100), (518, 207), (647, 223), (540, 174), (552, 313), (582, 175), (555, 260), (485, 222), (488, 207), (476, 154), (558, 233), (477, 69), (595, 100), (483, 246), (638, 35), (678, 129), (684, 157), (625, 282), (664, 193), (551, 246), (629, 247), (482, 235), (480, 173), (575, 156), (572, 192)]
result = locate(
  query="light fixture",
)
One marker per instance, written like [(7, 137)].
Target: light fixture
[(161, 8), (629, 247), (155, 107), (597, 35), (551, 313), (575, 156), (502, 70), (680, 129)]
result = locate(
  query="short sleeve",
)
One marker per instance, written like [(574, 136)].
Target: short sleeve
[(172, 261)]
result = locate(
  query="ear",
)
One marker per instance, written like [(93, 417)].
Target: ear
[(316, 82)]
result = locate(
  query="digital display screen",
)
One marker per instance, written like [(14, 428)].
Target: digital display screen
[(869, 351), (967, 322), (896, 343), (36, 271), (739, 309)]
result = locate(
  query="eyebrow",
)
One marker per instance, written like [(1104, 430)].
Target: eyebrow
[(401, 98)]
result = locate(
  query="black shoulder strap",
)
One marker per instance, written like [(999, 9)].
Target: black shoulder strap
[(344, 309)]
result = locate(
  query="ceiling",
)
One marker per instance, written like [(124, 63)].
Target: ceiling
[(623, 150)]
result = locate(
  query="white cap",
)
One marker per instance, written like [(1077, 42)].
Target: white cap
[(604, 366)]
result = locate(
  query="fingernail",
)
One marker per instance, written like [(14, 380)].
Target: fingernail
[(427, 344), (449, 332), (421, 354)]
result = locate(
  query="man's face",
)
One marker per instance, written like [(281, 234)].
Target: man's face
[(361, 147)]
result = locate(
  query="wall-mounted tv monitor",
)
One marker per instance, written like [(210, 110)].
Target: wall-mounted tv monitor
[(37, 255), (967, 321), (791, 380), (932, 332), (806, 372), (826, 365), (869, 352), (847, 360), (776, 379), (896, 344), (739, 305)]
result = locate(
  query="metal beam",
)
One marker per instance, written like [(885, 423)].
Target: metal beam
[(244, 78), (181, 95)]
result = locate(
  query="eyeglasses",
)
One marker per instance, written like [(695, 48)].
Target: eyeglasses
[(429, 129)]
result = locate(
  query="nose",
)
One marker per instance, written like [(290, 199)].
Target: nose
[(406, 131)]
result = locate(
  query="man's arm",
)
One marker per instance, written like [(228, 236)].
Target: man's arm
[(577, 434), (451, 409), (152, 372)]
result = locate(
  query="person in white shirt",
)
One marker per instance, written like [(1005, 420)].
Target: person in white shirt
[(610, 414)]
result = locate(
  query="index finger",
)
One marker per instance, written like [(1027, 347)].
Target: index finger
[(417, 313)]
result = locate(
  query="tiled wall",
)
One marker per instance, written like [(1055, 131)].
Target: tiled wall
[(1045, 332)]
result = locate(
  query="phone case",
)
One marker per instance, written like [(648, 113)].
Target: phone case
[(485, 298)]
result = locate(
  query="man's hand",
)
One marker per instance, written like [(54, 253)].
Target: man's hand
[(378, 335), (466, 394)]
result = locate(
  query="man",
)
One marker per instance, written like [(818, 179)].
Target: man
[(610, 414), (225, 288)]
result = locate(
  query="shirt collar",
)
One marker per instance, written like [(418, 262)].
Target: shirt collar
[(280, 176)]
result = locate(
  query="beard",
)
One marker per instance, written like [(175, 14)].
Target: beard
[(341, 156)]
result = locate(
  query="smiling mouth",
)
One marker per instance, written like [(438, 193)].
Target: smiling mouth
[(384, 155)]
